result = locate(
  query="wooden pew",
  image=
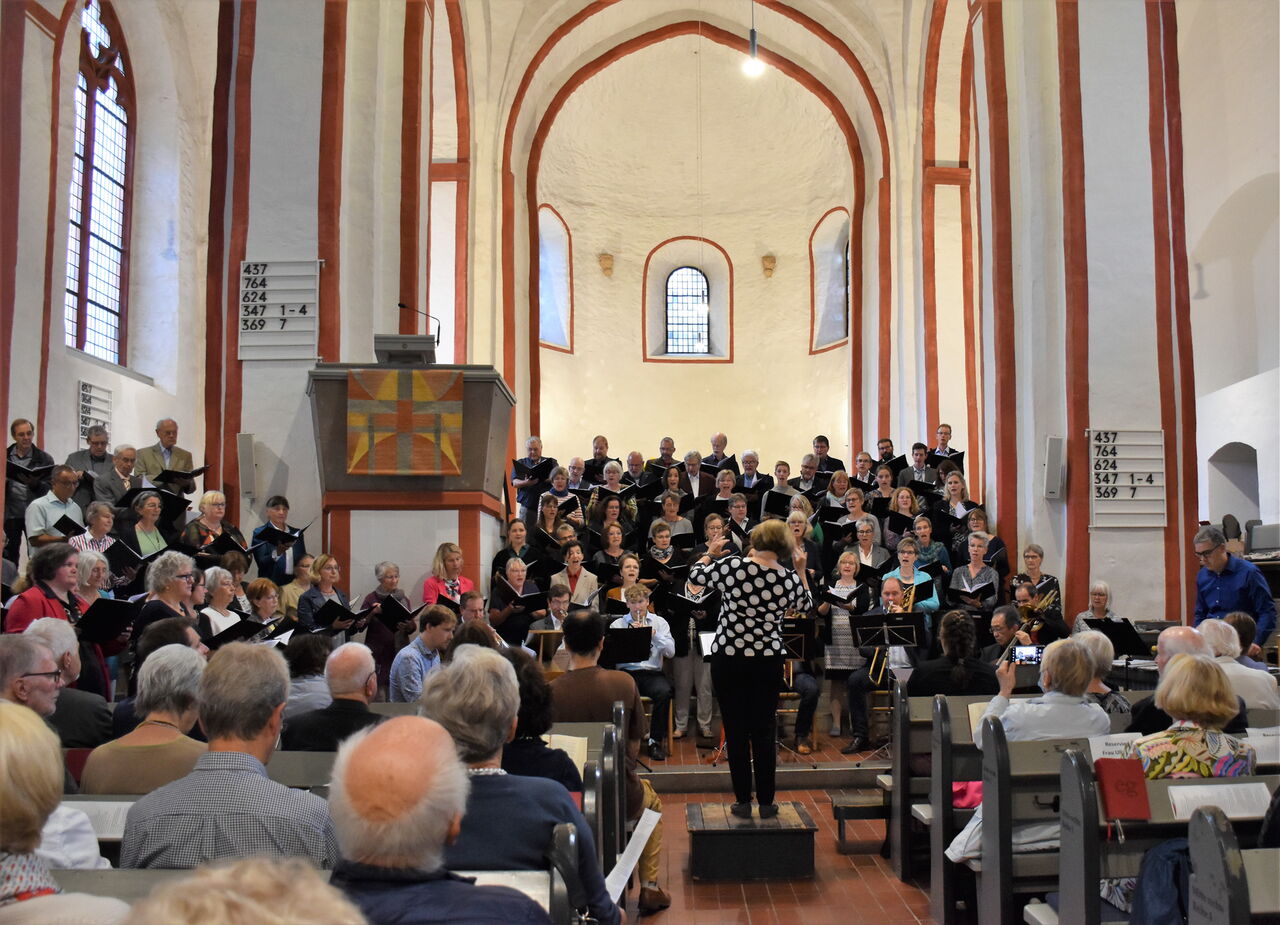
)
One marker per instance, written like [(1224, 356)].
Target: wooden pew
[(954, 758), (1020, 785), (1229, 886), (1089, 853), (551, 888), (912, 723), (386, 708), (303, 770)]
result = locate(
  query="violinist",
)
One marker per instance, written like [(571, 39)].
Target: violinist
[(1041, 616)]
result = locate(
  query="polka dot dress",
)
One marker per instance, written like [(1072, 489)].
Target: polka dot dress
[(754, 600)]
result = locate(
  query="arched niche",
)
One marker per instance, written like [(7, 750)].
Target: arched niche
[(1233, 482)]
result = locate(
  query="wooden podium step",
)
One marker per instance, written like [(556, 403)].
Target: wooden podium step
[(724, 847)]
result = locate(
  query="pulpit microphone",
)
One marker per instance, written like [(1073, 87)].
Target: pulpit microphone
[(427, 315)]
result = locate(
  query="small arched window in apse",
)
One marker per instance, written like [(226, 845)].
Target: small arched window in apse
[(830, 293), (688, 312), (95, 303)]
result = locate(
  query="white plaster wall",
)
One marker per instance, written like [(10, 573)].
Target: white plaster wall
[(1234, 413), (443, 283), (637, 157), (490, 542), (167, 244), (444, 118), (283, 178), (949, 281), (1123, 374), (408, 538), (1039, 344)]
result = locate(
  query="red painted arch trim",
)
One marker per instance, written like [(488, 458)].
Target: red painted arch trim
[(226, 475), (215, 261), (329, 187), (644, 304), (1174, 563), (1181, 294), (462, 207), (971, 245), (1002, 294), (933, 45), (928, 256), (12, 36), (568, 233), (885, 326), (47, 23), (1076, 263), (589, 70), (814, 350), (415, 19)]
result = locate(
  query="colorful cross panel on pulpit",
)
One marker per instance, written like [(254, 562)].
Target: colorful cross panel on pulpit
[(404, 422)]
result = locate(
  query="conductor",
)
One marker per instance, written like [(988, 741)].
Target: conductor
[(756, 593)]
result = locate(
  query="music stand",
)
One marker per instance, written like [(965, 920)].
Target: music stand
[(798, 636), (1124, 638), (886, 630), (625, 644)]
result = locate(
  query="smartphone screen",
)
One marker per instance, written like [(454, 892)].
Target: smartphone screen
[(1027, 655)]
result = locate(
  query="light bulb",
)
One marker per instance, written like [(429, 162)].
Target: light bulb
[(752, 67)]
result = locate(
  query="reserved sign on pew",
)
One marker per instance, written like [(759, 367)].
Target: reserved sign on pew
[(1266, 742)]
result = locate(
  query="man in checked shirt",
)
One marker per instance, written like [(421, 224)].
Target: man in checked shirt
[(227, 806)]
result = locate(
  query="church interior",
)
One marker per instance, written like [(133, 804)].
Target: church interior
[(1042, 223)]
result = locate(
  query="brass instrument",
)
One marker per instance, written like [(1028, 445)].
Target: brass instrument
[(909, 598), (1047, 600)]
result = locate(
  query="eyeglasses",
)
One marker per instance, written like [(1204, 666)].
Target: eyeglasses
[(1208, 552), (186, 576), (54, 676)]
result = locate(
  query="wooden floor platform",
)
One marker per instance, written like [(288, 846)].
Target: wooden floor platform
[(723, 846)]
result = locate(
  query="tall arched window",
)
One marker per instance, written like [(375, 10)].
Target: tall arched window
[(101, 174), (688, 312)]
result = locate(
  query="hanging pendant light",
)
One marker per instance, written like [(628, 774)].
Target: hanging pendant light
[(753, 66)]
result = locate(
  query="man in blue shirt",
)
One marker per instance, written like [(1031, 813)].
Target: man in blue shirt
[(1228, 583), (422, 656), (648, 674)]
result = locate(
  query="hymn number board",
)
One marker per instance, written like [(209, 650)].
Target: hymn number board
[(279, 314), (1127, 469)]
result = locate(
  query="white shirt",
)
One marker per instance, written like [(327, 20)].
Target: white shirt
[(218, 622), (68, 842), (663, 643), (1256, 688)]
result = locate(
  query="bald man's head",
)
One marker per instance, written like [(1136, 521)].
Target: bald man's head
[(398, 794), (350, 672), (1179, 640)]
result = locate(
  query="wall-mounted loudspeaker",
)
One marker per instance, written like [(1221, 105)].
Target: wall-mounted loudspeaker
[(248, 467), (1054, 467)]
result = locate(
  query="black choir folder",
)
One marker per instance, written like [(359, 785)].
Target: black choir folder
[(105, 620), (68, 527), (29, 477), (174, 475), (541, 471)]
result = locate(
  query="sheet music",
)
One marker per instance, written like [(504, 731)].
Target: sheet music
[(616, 882), (574, 746), (1238, 801), (107, 816)]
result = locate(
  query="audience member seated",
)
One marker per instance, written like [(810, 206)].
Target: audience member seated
[(446, 578), (276, 561), (397, 800), (527, 754), (255, 891), (325, 575), (1099, 607), (353, 682), (210, 524), (169, 582), (586, 694), (1258, 690), (173, 631), (416, 661), (307, 654), (31, 775), (227, 807), (959, 671), (1196, 694), (1061, 713), (29, 675), (52, 571), (1246, 628), (1146, 717), (159, 751), (473, 634), (1102, 653), (509, 819), (81, 718)]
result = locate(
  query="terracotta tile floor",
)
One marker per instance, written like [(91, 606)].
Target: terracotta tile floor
[(857, 887)]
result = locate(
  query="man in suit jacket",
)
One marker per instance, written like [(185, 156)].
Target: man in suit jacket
[(918, 471), (666, 454), (82, 719), (114, 484), (693, 480), (353, 680), (808, 469), (95, 460), (826, 463), (152, 460)]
